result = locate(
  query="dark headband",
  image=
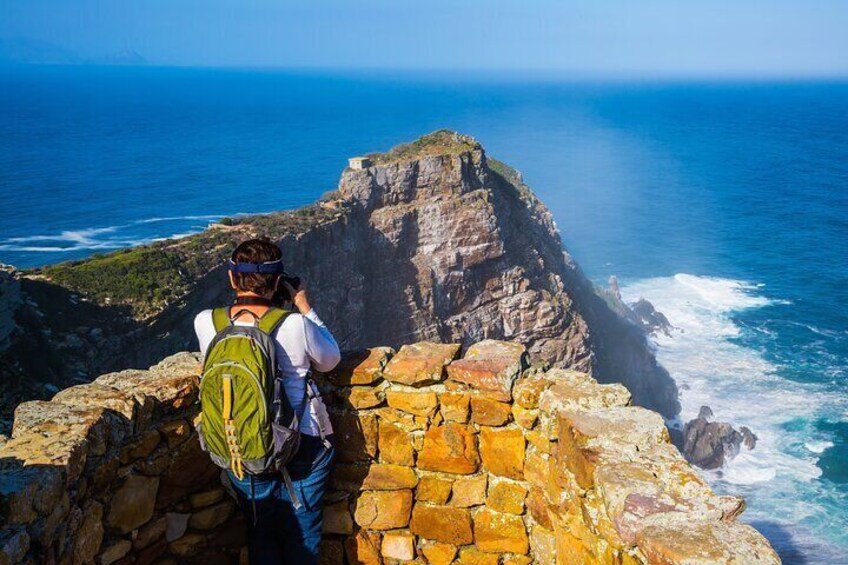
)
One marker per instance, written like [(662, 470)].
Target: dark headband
[(268, 267)]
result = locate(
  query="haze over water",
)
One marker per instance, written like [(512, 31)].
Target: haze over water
[(724, 203)]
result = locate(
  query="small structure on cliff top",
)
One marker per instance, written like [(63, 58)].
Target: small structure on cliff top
[(359, 163)]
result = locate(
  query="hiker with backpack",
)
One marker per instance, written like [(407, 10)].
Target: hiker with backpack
[(262, 418)]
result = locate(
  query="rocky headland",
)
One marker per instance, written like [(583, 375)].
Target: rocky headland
[(434, 240)]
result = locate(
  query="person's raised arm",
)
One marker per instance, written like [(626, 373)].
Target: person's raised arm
[(321, 346)]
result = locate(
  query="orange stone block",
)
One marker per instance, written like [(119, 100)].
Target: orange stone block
[(383, 510), (438, 553), (499, 532), (417, 403), (395, 445), (489, 412), (450, 448), (442, 523), (433, 489), (502, 450), (421, 364)]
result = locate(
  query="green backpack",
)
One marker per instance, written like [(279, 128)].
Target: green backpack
[(247, 423)]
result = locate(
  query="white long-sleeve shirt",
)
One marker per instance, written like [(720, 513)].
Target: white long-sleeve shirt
[(302, 341)]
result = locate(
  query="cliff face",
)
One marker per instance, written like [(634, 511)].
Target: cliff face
[(433, 241), (440, 459)]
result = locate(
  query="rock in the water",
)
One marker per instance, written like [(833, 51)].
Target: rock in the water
[(652, 320), (710, 444)]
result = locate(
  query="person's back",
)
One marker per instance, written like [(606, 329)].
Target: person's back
[(284, 520)]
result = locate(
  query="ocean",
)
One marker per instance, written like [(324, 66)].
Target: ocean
[(725, 203)]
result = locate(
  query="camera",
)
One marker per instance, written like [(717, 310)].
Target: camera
[(282, 295)]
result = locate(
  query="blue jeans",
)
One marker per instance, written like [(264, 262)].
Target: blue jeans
[(281, 534)]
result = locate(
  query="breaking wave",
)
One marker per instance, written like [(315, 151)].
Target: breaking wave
[(717, 361)]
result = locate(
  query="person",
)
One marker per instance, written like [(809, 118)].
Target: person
[(281, 530)]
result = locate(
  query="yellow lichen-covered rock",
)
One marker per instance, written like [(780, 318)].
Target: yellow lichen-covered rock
[(518, 560), (543, 545), (417, 403), (490, 366), (489, 412), (454, 406), (433, 489), (722, 543), (389, 477), (421, 364), (99, 396), (473, 556), (502, 451), (524, 417), (361, 367), (383, 510), (572, 390), (450, 448), (406, 422), (500, 532), (362, 397), (395, 445), (527, 391), (588, 438), (506, 496), (442, 523), (438, 553), (539, 441), (537, 506), (398, 544), (469, 491)]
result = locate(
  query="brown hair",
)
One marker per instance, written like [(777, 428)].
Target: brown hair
[(257, 250)]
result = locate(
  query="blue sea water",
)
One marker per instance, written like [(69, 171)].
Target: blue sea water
[(724, 203)]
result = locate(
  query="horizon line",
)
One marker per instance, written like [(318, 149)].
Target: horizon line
[(551, 73)]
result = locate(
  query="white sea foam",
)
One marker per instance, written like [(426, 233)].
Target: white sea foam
[(712, 366), (818, 446), (102, 239)]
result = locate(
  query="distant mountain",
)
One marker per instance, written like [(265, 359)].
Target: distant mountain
[(22, 50), (27, 51)]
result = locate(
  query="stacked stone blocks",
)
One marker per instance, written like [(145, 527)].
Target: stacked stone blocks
[(477, 460)]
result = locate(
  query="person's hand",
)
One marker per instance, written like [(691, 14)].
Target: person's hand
[(299, 296)]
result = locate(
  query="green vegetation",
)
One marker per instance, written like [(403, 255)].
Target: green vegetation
[(441, 142), (149, 277)]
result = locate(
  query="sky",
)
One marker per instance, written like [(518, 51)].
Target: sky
[(666, 37)]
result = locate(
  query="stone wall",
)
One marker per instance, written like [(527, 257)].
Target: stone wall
[(111, 472), (475, 461)]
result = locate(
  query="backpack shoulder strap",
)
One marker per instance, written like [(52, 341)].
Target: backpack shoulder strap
[(221, 318), (272, 319)]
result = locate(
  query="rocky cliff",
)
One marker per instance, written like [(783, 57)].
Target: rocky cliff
[(477, 460), (433, 241)]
